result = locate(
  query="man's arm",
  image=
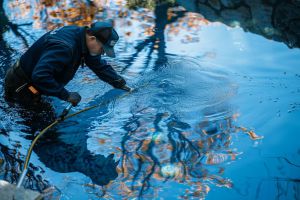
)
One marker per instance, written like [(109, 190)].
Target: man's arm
[(105, 71)]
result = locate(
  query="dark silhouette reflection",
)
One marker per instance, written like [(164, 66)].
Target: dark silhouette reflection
[(63, 157), (64, 149), (276, 20)]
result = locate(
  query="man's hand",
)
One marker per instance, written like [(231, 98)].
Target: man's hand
[(74, 98), (119, 83), (126, 88)]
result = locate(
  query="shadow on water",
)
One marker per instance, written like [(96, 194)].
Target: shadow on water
[(65, 149), (178, 130), (62, 149)]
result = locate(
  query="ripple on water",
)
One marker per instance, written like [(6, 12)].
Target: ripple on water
[(189, 86)]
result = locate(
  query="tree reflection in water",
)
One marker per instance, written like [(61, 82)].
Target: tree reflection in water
[(192, 157)]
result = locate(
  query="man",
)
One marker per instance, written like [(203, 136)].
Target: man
[(51, 62)]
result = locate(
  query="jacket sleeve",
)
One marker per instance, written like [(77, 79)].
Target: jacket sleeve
[(104, 71), (53, 60)]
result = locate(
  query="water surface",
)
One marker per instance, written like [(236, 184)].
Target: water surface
[(215, 114)]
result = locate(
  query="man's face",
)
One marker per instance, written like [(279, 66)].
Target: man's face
[(94, 46)]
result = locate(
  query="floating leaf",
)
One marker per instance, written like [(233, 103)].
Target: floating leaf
[(254, 136)]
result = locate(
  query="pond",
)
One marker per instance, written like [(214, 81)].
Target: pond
[(215, 113)]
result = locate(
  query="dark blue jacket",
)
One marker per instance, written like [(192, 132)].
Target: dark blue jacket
[(52, 61)]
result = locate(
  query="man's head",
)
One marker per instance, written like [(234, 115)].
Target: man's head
[(101, 38)]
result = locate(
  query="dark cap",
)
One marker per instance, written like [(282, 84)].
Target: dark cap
[(106, 34)]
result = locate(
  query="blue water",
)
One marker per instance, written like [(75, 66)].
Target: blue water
[(183, 134)]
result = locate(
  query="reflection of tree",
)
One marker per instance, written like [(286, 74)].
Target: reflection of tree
[(15, 28), (5, 49), (191, 156), (3, 20), (50, 15), (10, 170), (156, 40), (276, 20), (13, 160), (286, 186)]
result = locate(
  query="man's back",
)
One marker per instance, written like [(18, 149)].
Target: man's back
[(64, 43)]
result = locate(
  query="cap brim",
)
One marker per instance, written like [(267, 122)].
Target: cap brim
[(109, 51)]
